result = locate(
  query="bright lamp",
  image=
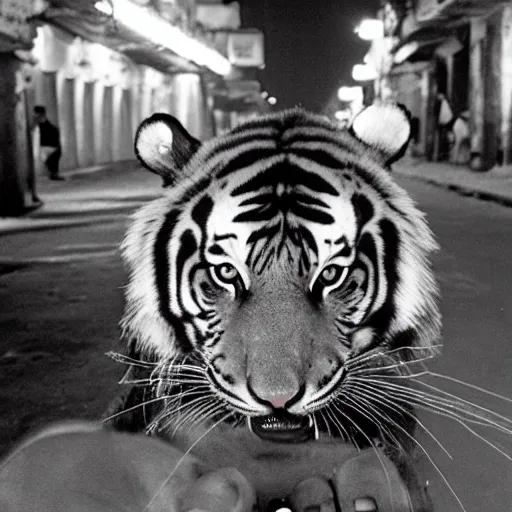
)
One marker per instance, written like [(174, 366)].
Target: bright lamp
[(370, 29), (157, 30), (348, 94), (364, 73)]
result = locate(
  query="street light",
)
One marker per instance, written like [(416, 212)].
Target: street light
[(364, 73), (349, 94), (157, 30), (370, 29)]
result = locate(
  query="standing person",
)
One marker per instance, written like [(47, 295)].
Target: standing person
[(49, 142)]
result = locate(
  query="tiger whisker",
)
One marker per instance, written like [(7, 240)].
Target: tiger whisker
[(326, 422), (393, 362), (182, 411), (202, 415), (403, 365), (472, 386), (458, 403), (121, 358), (369, 415), (442, 412), (441, 474), (130, 409), (182, 458), (482, 438), (371, 444), (341, 429), (163, 381), (194, 411), (372, 392)]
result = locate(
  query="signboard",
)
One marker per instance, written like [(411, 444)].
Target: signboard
[(219, 16), (245, 49), (243, 87), (428, 9), (13, 20)]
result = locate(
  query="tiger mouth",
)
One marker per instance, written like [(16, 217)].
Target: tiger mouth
[(283, 427)]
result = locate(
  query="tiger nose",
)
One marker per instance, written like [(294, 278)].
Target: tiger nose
[(278, 395)]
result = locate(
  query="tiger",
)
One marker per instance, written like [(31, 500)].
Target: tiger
[(282, 272)]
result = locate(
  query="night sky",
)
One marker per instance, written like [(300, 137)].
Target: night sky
[(310, 46)]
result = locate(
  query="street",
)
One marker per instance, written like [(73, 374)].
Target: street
[(61, 296)]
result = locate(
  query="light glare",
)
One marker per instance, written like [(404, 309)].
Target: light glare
[(370, 29), (156, 29), (350, 93), (364, 73), (104, 7)]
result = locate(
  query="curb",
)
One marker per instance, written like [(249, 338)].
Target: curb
[(462, 190), (48, 225)]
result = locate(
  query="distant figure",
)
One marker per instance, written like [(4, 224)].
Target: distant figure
[(48, 142)]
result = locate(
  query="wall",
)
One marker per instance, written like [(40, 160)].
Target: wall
[(506, 85), (98, 97)]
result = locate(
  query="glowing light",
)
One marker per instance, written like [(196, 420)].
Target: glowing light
[(104, 7), (370, 29), (272, 100), (405, 52), (350, 93), (364, 73), (264, 95), (341, 115), (157, 30)]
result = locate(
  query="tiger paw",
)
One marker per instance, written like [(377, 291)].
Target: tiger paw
[(224, 490)]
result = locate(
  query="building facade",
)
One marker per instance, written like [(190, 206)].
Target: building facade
[(452, 67), (98, 78)]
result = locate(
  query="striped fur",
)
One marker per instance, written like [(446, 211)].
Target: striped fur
[(283, 249)]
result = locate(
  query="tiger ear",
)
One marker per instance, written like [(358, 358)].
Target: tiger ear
[(164, 146), (385, 127)]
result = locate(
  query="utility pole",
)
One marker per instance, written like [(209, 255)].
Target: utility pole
[(12, 137)]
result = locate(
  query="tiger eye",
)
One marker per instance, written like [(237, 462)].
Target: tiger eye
[(330, 274), (226, 272)]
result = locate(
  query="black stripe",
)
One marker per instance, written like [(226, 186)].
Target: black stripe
[(368, 247), (287, 174), (382, 318), (260, 199), (311, 214), (217, 250), (202, 211), (321, 157), (245, 160), (259, 214), (188, 247), (308, 199), (162, 266), (234, 140), (363, 209)]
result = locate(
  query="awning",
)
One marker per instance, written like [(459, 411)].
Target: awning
[(80, 17), (434, 11)]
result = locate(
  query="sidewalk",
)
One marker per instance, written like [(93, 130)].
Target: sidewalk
[(99, 194), (88, 196), (494, 185)]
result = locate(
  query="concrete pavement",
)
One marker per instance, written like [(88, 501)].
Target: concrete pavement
[(494, 185), (98, 194), (87, 196)]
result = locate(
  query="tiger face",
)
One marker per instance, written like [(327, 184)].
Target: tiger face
[(282, 261)]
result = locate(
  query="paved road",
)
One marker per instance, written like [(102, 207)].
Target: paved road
[(473, 268), (59, 315)]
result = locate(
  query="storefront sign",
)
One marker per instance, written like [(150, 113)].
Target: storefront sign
[(13, 20), (245, 49), (219, 16), (427, 9)]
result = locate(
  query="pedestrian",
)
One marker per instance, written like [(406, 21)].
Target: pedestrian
[(48, 142)]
